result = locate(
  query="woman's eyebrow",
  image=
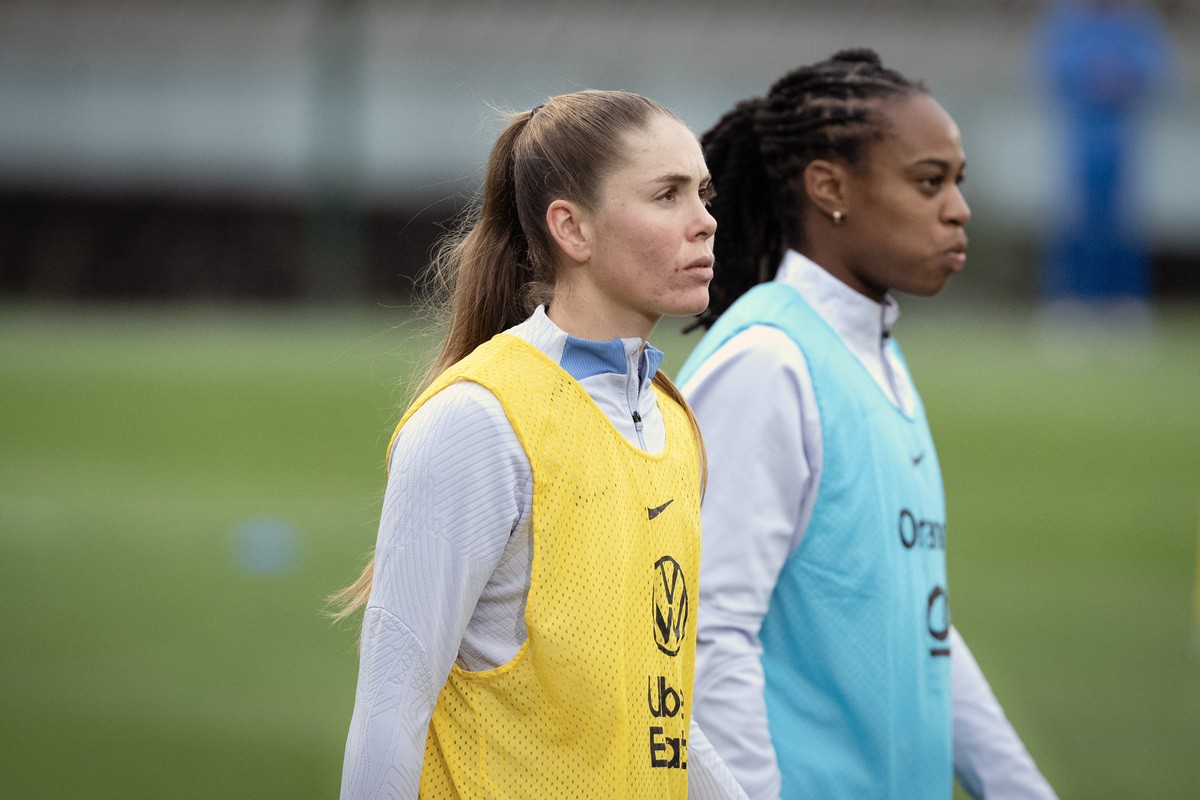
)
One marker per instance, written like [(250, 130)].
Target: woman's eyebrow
[(681, 178), (940, 163)]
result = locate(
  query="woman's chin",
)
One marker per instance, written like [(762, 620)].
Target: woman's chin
[(688, 305)]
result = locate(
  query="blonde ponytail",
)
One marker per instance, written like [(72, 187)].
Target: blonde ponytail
[(668, 388)]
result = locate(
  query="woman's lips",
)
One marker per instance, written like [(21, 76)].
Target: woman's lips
[(957, 254), (701, 266)]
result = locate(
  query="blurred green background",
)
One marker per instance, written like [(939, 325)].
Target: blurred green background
[(212, 215), (181, 487)]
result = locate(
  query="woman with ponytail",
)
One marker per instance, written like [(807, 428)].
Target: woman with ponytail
[(529, 624), (826, 663)]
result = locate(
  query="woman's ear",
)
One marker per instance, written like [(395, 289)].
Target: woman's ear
[(569, 228), (825, 185)]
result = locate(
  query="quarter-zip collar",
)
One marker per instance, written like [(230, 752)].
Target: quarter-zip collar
[(617, 374), (863, 324)]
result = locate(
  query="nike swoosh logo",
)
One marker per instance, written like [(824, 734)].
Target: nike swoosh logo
[(917, 459), (654, 512)]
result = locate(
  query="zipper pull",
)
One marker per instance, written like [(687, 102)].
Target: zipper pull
[(637, 421)]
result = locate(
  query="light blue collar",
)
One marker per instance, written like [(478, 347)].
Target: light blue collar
[(583, 358)]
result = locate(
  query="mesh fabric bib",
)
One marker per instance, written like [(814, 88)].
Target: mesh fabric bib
[(596, 703), (855, 642)]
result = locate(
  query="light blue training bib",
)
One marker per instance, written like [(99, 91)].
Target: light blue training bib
[(856, 638)]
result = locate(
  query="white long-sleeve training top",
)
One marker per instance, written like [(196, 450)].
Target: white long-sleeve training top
[(454, 557), (757, 409)]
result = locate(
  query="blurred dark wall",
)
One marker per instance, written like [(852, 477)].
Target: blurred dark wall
[(70, 246), (133, 247)]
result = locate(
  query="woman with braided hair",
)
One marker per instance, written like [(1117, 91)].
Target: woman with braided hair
[(546, 485), (826, 663)]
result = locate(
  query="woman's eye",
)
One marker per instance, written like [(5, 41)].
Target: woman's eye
[(707, 194), (669, 194), (932, 183)]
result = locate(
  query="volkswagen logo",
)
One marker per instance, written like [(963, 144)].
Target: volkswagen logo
[(670, 605)]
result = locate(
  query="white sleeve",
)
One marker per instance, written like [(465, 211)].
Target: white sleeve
[(453, 497), (755, 404), (990, 763), (708, 777)]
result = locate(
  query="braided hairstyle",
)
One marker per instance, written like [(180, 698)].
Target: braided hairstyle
[(757, 154)]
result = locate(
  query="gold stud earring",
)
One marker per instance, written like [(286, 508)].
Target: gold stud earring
[(837, 218)]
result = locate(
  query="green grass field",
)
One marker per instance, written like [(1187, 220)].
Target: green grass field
[(139, 658)]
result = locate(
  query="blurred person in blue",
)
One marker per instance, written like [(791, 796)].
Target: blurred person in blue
[(826, 662), (1102, 60)]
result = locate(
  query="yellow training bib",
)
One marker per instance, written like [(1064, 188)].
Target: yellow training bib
[(597, 701)]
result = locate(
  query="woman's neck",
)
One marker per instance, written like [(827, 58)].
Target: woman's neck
[(597, 321), (833, 261)]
